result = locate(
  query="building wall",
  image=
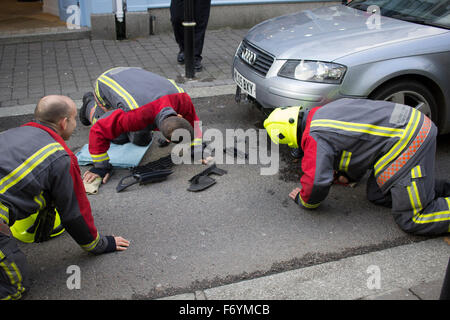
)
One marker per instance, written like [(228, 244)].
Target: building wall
[(238, 15), (99, 14), (51, 6), (140, 5)]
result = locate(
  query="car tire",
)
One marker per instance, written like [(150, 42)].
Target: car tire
[(409, 92)]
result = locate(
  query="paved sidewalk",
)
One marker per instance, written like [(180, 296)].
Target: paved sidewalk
[(409, 272), (29, 71)]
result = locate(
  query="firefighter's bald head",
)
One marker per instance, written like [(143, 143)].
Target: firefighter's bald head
[(51, 109), (58, 112)]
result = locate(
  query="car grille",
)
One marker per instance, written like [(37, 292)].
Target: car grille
[(261, 63)]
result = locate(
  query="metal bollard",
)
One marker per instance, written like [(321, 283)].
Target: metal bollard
[(189, 27)]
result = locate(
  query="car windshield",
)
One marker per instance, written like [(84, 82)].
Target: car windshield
[(429, 12)]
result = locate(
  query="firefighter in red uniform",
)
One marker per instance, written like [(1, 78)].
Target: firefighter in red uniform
[(41, 188), (127, 105), (350, 137)]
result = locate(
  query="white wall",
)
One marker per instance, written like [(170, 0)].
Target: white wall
[(51, 6)]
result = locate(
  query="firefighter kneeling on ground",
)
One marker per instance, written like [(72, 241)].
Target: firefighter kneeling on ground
[(41, 192), (344, 139), (127, 105)]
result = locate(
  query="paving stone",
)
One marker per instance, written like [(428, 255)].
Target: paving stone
[(396, 294), (71, 66), (428, 290)]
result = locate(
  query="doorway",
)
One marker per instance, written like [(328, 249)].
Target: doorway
[(21, 16)]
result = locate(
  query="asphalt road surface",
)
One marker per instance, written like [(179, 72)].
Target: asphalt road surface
[(244, 226)]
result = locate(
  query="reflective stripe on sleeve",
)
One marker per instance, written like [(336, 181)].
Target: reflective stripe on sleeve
[(100, 157), (92, 245), (4, 213), (307, 205)]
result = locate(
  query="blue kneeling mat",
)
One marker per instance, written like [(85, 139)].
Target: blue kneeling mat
[(127, 155)]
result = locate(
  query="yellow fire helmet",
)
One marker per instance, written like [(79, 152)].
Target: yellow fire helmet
[(282, 124)]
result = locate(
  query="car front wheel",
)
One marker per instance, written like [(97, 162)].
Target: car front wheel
[(411, 93)]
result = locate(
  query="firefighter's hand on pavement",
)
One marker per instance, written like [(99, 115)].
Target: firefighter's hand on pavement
[(121, 243), (294, 193), (89, 177), (343, 180)]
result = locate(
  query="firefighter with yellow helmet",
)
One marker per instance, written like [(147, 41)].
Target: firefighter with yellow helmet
[(346, 138)]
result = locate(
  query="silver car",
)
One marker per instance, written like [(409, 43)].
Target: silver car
[(397, 50)]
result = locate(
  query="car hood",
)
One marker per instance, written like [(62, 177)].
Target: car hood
[(329, 33)]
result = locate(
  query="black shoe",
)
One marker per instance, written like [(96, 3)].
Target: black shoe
[(88, 97), (180, 57), (198, 65), (296, 153)]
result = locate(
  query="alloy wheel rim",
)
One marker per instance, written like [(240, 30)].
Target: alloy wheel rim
[(412, 99)]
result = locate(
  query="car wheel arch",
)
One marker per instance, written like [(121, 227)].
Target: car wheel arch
[(430, 84)]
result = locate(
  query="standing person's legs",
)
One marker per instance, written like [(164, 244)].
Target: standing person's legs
[(176, 17), (202, 10)]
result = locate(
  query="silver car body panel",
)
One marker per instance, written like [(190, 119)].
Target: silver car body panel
[(372, 55), (329, 33)]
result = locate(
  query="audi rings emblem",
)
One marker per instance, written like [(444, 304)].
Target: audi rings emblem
[(248, 56)]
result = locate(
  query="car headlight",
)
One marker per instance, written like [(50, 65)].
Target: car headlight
[(315, 71)]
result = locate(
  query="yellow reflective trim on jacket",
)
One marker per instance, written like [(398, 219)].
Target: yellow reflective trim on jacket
[(4, 213), (345, 161), (100, 157), (92, 245), (307, 205), (28, 165), (401, 144), (132, 104), (40, 200), (197, 142), (97, 92), (180, 90), (358, 127), (416, 172)]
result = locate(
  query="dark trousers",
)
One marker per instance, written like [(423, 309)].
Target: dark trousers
[(420, 204), (14, 279), (201, 17)]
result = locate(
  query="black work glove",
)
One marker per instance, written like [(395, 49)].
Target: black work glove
[(111, 244), (102, 172)]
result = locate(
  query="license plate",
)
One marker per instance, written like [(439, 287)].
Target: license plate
[(246, 86)]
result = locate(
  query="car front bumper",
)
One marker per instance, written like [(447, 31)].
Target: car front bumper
[(273, 91)]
